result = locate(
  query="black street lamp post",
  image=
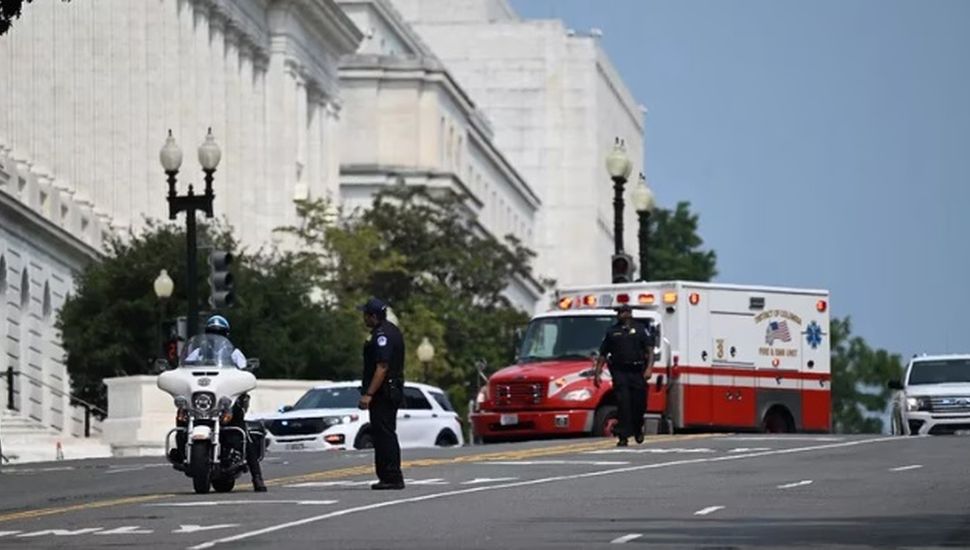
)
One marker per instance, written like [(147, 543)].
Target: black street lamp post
[(618, 165), (171, 159), (644, 203)]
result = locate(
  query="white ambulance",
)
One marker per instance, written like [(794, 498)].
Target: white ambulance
[(728, 358)]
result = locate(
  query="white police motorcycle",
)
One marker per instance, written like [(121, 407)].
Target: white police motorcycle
[(207, 387)]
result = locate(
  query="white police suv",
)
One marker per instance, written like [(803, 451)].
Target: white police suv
[(327, 417), (934, 396)]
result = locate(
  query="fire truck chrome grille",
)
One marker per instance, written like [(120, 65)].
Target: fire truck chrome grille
[(520, 393)]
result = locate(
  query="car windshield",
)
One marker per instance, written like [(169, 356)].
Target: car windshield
[(209, 350), (329, 398), (563, 337), (940, 371)]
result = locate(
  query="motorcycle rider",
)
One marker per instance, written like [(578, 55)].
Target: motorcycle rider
[(219, 325)]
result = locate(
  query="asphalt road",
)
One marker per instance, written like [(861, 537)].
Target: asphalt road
[(671, 492)]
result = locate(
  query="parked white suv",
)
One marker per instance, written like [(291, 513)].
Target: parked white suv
[(327, 417), (934, 396)]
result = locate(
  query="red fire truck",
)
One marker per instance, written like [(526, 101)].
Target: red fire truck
[(729, 357)]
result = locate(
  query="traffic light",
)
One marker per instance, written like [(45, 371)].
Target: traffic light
[(221, 295), (622, 268)]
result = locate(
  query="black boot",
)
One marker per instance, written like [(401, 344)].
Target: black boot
[(258, 485)]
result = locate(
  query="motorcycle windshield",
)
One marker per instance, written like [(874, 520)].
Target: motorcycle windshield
[(209, 350)]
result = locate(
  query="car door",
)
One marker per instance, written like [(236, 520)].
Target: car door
[(415, 421)]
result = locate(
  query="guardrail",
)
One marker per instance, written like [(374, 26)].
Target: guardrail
[(89, 408)]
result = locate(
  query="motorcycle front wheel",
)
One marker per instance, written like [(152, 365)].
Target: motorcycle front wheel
[(201, 466), (224, 484)]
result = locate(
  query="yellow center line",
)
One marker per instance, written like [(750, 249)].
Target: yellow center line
[(339, 473)]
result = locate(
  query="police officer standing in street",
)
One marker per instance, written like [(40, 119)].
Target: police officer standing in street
[(628, 347), (383, 391)]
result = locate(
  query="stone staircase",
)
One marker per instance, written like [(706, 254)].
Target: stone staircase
[(26, 440)]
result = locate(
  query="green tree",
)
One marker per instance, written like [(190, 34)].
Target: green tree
[(674, 251), (859, 377), (443, 277), (109, 326)]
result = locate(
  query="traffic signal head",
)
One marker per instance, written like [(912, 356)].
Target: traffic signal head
[(221, 280), (621, 267)]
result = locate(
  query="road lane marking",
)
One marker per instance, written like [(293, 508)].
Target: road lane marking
[(351, 471), (480, 480), (708, 510), (626, 538), (546, 480), (319, 484), (749, 449), (435, 481), (127, 530), (781, 438), (206, 503), (553, 463), (59, 532), (31, 514), (124, 469), (796, 484), (8, 533), (905, 468), (661, 451), (192, 528)]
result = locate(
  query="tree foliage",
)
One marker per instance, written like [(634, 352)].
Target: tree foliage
[(674, 251), (443, 277), (110, 325), (859, 377)]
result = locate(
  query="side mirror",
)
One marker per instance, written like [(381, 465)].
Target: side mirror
[(895, 385), (252, 364), (286, 408)]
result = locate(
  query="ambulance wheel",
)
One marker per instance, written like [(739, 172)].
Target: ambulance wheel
[(778, 421), (604, 420)]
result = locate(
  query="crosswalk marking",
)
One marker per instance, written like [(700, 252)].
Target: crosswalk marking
[(708, 510)]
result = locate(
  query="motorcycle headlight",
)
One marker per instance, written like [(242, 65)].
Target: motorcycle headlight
[(203, 401), (578, 395)]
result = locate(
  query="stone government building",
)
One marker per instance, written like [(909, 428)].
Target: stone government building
[(307, 99)]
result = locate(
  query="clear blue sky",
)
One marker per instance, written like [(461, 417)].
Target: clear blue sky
[(824, 143)]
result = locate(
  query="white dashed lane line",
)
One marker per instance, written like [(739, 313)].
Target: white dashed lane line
[(205, 503), (626, 538), (553, 463), (905, 468), (796, 484), (708, 510)]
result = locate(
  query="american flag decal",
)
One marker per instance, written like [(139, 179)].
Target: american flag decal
[(777, 330)]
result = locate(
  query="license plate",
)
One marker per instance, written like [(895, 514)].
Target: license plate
[(295, 446), (508, 419)]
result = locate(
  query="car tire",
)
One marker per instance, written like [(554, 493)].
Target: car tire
[(446, 439), (604, 420), (364, 440)]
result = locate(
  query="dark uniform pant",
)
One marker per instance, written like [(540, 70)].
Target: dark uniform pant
[(383, 429), (630, 390)]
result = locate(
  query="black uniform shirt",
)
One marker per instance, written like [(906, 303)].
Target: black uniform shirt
[(626, 347), (386, 345)]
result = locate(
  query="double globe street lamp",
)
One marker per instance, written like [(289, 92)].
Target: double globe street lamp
[(171, 159), (644, 203), (619, 167)]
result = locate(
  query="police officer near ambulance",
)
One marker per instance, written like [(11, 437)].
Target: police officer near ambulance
[(628, 347), (383, 391)]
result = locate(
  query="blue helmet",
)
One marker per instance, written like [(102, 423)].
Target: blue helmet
[(217, 324)]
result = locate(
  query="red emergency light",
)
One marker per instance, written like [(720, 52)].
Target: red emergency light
[(694, 298), (589, 300), (645, 299), (822, 306), (565, 302), (622, 298)]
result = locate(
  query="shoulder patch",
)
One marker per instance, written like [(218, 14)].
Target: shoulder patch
[(382, 340)]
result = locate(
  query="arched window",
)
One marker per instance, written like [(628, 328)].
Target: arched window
[(24, 289)]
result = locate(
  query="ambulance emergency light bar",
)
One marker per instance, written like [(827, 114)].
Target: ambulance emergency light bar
[(647, 299)]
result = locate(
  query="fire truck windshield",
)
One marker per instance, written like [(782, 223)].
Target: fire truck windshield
[(551, 338)]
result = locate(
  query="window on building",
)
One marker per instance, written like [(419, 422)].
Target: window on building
[(24, 289), (3, 275), (64, 213), (47, 301)]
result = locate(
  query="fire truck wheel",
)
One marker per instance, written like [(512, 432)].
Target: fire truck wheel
[(604, 420), (778, 420)]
